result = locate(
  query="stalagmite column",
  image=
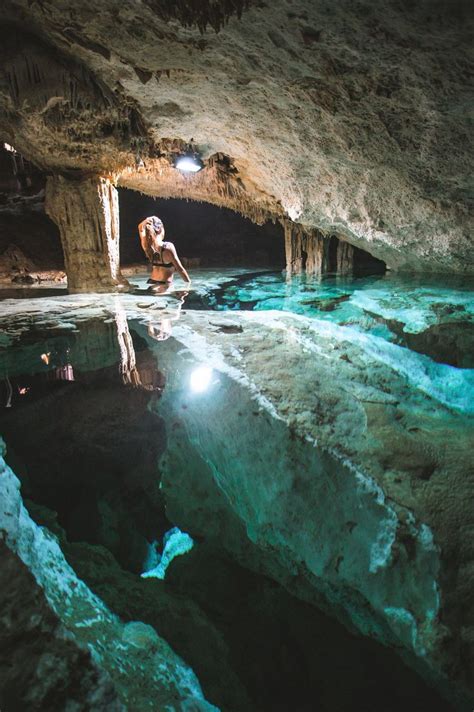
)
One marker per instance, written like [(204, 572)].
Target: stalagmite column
[(317, 250), (306, 251), (345, 257), (87, 214), (293, 248)]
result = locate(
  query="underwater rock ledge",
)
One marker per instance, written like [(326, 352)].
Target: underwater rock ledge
[(363, 532), (129, 663)]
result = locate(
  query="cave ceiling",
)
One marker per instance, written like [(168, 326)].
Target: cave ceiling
[(351, 117)]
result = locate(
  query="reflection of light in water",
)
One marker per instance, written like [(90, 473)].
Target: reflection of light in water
[(200, 379), (175, 543)]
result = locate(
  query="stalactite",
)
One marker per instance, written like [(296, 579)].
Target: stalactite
[(87, 215), (293, 248), (306, 250), (53, 96), (198, 12), (345, 257), (317, 250), (219, 183)]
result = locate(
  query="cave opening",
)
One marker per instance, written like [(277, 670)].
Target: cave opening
[(30, 244), (345, 258), (36, 233), (204, 235)]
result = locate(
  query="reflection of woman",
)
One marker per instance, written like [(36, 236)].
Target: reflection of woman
[(161, 254), (162, 330)]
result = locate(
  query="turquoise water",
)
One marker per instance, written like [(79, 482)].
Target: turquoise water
[(316, 433), (434, 316)]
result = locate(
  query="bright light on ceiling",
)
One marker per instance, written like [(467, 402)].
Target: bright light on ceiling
[(189, 164)]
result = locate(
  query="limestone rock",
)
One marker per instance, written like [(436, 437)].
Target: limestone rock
[(345, 117), (42, 666), (353, 516), (86, 213), (334, 471), (141, 681), (14, 263)]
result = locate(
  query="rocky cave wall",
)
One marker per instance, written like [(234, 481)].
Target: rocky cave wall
[(30, 247), (345, 117)]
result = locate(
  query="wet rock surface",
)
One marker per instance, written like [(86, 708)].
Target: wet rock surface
[(144, 670), (446, 343), (228, 622), (253, 645), (41, 666)]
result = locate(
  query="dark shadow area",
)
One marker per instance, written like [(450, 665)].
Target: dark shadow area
[(204, 235), (365, 263), (98, 472), (29, 239)]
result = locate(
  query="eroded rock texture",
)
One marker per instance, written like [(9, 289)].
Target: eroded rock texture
[(390, 528), (345, 117), (42, 667), (141, 670), (372, 525), (288, 536), (86, 213)]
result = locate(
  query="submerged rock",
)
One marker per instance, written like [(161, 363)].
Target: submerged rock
[(327, 459), (41, 665), (352, 516), (143, 678)]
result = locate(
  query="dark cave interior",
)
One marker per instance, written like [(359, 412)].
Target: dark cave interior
[(204, 235)]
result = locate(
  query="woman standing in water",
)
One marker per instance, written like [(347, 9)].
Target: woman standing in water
[(162, 255)]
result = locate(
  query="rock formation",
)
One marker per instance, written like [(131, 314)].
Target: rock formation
[(356, 426), (132, 668), (345, 121), (333, 473), (344, 118), (86, 213), (41, 666), (305, 251)]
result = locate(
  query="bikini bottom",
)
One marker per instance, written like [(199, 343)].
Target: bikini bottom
[(158, 281)]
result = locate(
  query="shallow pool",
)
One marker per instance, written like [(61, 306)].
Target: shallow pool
[(313, 437)]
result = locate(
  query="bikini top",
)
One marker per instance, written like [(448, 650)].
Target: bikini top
[(157, 259)]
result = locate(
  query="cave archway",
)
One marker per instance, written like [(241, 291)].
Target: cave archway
[(205, 235)]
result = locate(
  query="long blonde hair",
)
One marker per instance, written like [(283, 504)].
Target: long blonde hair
[(153, 232)]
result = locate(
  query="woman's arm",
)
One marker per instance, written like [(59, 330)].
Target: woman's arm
[(144, 234), (177, 262)]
